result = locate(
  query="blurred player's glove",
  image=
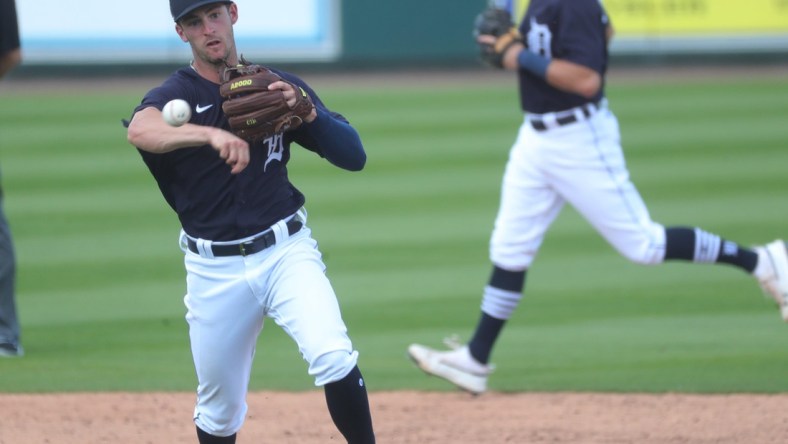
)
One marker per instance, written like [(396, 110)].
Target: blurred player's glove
[(497, 23), (255, 112)]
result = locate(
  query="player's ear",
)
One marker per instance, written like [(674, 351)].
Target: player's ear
[(179, 30), (232, 9)]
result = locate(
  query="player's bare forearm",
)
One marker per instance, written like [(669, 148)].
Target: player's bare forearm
[(574, 78), (149, 132)]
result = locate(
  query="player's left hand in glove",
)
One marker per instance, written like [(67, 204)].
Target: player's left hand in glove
[(256, 112), (498, 33)]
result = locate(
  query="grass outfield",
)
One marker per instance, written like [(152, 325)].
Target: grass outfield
[(101, 281)]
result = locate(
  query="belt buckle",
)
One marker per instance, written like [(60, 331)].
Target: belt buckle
[(242, 248)]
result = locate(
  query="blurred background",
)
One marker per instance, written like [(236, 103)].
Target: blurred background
[(343, 34)]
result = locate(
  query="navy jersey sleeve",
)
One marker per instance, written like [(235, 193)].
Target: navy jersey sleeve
[(330, 136)]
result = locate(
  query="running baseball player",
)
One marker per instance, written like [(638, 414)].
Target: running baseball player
[(10, 56), (249, 253), (568, 151)]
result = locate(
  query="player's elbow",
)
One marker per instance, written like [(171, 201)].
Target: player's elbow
[(9, 61), (355, 162), (589, 86), (359, 158), (360, 163), (346, 151), (141, 138), (15, 58), (134, 135)]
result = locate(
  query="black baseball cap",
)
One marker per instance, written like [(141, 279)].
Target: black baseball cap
[(180, 8)]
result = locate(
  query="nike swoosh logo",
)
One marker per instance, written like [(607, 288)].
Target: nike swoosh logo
[(200, 109)]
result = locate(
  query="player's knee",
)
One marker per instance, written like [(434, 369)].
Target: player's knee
[(649, 249), (643, 244), (332, 366), (512, 256), (221, 420), (640, 259)]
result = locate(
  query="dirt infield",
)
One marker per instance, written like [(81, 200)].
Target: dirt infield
[(407, 417)]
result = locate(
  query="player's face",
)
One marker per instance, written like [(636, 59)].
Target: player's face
[(209, 31)]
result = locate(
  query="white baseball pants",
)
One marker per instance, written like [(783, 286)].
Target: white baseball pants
[(228, 298), (582, 164)]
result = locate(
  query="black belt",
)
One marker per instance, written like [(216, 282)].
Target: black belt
[(252, 246), (566, 119)]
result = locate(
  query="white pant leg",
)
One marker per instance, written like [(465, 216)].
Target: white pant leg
[(302, 301), (596, 182), (528, 205), (224, 320), (582, 164), (227, 300)]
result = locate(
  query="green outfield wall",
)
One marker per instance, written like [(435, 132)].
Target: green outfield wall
[(412, 31)]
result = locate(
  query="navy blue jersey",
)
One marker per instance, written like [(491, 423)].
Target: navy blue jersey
[(572, 30), (212, 203)]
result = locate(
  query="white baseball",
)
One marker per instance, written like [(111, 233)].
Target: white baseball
[(176, 112)]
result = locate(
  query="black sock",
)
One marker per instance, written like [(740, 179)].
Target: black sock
[(489, 328), (683, 243), (679, 243), (204, 438), (733, 254), (506, 280), (487, 331), (349, 408)]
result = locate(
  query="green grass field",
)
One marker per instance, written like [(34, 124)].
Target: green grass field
[(101, 281)]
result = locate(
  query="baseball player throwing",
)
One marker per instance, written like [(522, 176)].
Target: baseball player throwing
[(568, 151), (248, 251)]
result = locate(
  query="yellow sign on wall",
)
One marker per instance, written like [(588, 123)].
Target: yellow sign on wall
[(688, 17), (698, 16)]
